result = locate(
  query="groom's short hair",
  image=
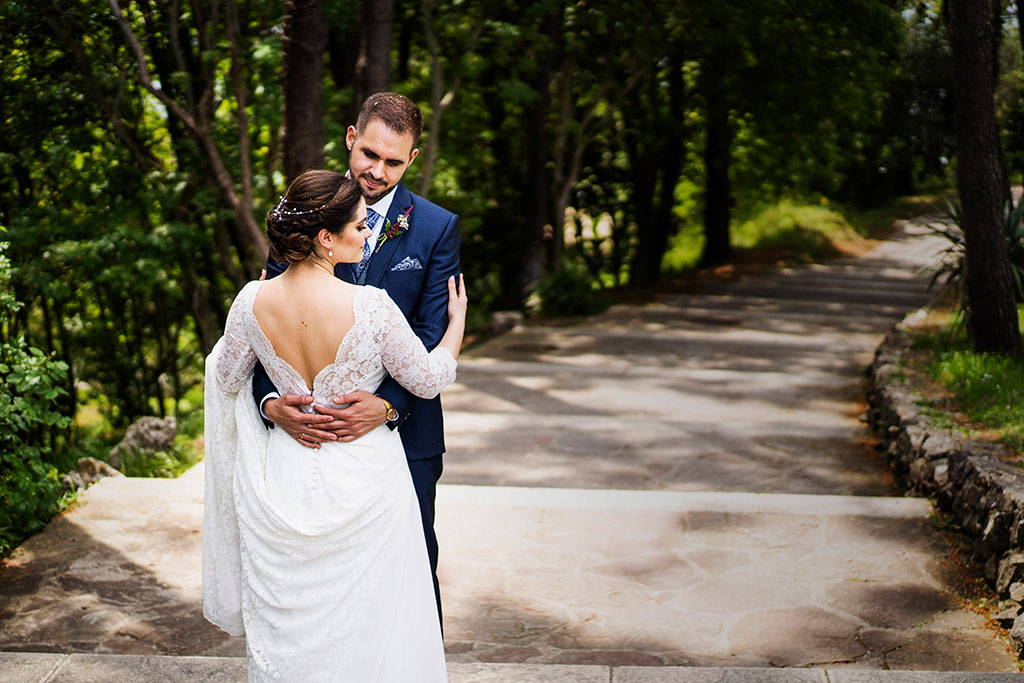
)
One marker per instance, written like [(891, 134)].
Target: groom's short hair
[(395, 111)]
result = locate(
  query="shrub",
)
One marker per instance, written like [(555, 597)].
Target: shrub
[(30, 384), (567, 292), (951, 268)]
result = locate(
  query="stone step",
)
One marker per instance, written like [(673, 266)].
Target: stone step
[(31, 667), (720, 502), (544, 576)]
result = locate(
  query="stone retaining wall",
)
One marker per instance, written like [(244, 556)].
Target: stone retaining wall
[(964, 477)]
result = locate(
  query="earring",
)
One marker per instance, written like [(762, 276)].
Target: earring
[(330, 253)]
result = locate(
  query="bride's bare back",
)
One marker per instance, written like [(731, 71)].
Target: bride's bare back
[(305, 316)]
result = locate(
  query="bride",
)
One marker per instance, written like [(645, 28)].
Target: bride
[(318, 556)]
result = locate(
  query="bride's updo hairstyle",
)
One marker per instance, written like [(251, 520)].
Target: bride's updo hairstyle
[(315, 200)]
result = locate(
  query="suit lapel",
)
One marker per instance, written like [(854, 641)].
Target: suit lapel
[(381, 260), (346, 272)]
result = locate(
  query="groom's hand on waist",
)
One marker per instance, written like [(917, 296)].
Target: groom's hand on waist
[(365, 412), (309, 429)]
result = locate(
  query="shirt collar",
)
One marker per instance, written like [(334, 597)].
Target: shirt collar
[(383, 204)]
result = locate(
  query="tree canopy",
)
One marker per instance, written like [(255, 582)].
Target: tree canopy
[(578, 141)]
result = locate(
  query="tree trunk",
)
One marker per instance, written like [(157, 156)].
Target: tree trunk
[(537, 149), (991, 310), (1020, 25), (406, 35), (438, 100), (536, 193), (343, 48), (642, 149), (672, 157), (373, 67), (996, 11), (671, 169), (238, 85), (717, 190), (654, 223), (305, 40)]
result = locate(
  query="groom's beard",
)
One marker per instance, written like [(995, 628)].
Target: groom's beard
[(372, 194)]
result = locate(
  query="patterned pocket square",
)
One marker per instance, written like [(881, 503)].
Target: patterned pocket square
[(408, 263)]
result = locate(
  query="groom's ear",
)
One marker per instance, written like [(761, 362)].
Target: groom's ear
[(350, 137), (412, 156)]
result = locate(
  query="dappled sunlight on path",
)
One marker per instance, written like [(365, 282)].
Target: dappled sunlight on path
[(687, 405), (684, 482)]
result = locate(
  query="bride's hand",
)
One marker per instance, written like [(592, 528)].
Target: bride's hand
[(458, 301)]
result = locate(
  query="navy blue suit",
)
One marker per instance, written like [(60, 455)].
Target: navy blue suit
[(422, 295)]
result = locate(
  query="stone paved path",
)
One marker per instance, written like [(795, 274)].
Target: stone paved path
[(679, 484), (670, 416)]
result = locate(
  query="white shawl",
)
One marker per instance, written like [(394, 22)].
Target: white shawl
[(233, 430)]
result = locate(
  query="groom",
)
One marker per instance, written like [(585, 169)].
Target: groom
[(412, 251)]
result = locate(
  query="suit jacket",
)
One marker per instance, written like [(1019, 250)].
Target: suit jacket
[(432, 241)]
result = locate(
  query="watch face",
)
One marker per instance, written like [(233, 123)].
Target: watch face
[(392, 415)]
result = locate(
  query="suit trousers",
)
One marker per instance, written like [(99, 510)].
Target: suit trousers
[(425, 474)]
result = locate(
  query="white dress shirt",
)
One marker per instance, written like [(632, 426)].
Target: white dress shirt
[(382, 206)]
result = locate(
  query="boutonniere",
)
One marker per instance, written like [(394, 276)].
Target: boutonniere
[(390, 232)]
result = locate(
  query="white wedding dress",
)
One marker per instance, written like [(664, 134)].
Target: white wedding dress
[(318, 556)]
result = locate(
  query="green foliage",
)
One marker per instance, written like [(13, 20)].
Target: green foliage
[(124, 253), (96, 437), (911, 148), (987, 388), (807, 83), (185, 452), (562, 133), (684, 249), (30, 385), (166, 464), (568, 292)]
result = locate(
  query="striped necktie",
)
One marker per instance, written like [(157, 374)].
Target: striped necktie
[(371, 221)]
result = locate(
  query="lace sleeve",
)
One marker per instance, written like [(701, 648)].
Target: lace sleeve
[(237, 359), (404, 356)]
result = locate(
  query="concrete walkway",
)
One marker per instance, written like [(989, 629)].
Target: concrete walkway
[(673, 492), (79, 668)]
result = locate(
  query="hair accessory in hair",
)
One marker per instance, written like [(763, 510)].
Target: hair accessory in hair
[(279, 210)]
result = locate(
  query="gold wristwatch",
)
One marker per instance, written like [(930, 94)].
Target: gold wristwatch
[(392, 414)]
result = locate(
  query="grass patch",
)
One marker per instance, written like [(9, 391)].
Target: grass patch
[(809, 231), (792, 229), (987, 389), (166, 464)]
